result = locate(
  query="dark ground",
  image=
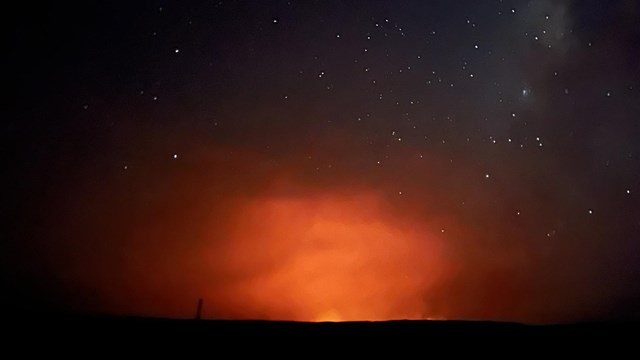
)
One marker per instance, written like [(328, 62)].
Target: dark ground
[(64, 333)]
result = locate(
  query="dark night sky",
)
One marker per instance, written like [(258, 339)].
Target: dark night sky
[(444, 159)]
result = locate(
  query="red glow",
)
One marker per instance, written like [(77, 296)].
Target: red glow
[(323, 258)]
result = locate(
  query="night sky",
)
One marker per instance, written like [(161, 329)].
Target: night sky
[(324, 160)]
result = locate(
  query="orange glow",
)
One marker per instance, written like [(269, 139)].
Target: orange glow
[(331, 258)]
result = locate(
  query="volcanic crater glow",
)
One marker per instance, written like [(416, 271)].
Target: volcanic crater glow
[(329, 258)]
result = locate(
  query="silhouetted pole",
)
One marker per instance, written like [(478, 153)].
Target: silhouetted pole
[(199, 309)]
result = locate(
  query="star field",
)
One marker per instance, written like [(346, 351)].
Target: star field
[(507, 131)]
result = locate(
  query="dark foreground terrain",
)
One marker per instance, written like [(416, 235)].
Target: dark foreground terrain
[(109, 333)]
